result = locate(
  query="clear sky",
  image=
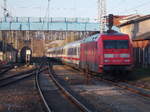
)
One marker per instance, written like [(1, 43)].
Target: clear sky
[(74, 8)]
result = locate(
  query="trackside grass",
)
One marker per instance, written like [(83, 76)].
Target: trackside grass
[(141, 74), (140, 77)]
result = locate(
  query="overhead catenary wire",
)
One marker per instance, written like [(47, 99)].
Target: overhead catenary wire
[(127, 7), (133, 9)]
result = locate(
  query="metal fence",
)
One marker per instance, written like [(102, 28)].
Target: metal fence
[(142, 53), (51, 19), (39, 23), (61, 24)]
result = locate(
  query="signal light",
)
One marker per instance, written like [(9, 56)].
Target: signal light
[(110, 21)]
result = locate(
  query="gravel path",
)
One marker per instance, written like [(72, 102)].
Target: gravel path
[(20, 97), (16, 71), (105, 97), (54, 97)]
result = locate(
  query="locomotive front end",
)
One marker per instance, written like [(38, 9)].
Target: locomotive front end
[(117, 53)]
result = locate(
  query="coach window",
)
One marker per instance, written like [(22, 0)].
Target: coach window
[(75, 52), (78, 51), (72, 51), (69, 51), (62, 51)]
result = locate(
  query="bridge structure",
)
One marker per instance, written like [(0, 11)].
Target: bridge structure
[(39, 23), (40, 33)]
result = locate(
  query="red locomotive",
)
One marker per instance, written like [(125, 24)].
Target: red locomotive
[(106, 52), (98, 53)]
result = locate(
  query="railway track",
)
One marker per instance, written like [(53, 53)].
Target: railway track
[(103, 95), (126, 86), (67, 99), (120, 83), (14, 78), (17, 91), (5, 69)]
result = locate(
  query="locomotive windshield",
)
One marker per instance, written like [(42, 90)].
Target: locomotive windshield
[(116, 44)]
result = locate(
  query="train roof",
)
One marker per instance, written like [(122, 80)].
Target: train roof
[(114, 34), (88, 39), (73, 44), (98, 35), (55, 48), (91, 38)]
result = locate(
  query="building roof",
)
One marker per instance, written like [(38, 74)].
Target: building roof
[(142, 18), (145, 36)]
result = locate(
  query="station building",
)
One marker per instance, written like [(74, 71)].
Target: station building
[(139, 31), (7, 53)]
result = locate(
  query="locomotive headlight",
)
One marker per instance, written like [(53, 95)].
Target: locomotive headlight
[(106, 61), (126, 60), (108, 55), (28, 51), (125, 55)]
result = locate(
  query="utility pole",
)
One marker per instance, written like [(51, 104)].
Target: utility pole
[(5, 9), (48, 28), (4, 35), (102, 14), (48, 12)]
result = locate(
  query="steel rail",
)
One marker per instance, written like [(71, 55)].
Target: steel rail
[(4, 70), (13, 79), (129, 87), (40, 90), (124, 85), (71, 97)]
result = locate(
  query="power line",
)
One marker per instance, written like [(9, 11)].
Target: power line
[(138, 6)]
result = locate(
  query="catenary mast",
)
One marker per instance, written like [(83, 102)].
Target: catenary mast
[(5, 8), (102, 14)]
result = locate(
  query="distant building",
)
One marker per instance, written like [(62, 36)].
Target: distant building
[(117, 19), (139, 31), (120, 19), (137, 28), (129, 18), (7, 52)]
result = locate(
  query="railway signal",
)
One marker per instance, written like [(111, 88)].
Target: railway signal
[(110, 21)]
